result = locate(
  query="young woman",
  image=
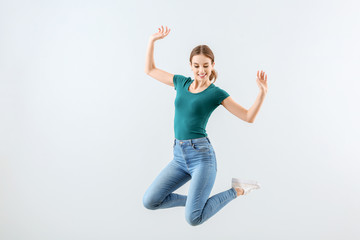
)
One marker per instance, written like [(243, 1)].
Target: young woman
[(194, 156)]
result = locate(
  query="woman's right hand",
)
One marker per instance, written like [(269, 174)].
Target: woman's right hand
[(160, 34)]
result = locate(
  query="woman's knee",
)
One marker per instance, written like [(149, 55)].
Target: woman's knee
[(149, 202), (193, 219)]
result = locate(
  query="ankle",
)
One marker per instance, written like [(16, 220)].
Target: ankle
[(239, 191)]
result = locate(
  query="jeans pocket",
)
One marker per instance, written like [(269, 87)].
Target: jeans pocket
[(201, 146)]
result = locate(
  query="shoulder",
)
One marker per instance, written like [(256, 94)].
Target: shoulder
[(220, 90), (179, 77), (180, 80), (220, 94)]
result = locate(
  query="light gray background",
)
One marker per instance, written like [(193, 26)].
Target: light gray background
[(84, 131)]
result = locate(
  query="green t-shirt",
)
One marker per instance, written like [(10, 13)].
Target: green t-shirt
[(192, 110)]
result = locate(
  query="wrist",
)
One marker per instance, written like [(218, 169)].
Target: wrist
[(263, 92)]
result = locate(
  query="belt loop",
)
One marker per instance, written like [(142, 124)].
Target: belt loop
[(208, 140), (191, 142)]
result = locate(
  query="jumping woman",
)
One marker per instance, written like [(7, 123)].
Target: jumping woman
[(194, 156)]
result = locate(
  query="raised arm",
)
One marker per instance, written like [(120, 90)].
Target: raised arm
[(149, 61), (150, 68), (242, 113), (235, 108)]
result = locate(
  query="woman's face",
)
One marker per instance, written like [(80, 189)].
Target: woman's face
[(201, 66)]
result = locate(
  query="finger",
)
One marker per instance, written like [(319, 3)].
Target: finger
[(266, 77), (258, 73), (162, 28)]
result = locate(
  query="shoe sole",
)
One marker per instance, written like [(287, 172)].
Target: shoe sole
[(243, 181)]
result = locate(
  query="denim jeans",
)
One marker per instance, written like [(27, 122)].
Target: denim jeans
[(193, 159)]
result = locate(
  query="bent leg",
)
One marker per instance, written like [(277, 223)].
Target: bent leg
[(199, 207), (159, 194)]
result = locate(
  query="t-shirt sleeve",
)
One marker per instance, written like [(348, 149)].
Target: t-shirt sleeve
[(179, 80), (221, 95)]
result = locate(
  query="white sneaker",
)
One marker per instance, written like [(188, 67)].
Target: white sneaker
[(247, 185)]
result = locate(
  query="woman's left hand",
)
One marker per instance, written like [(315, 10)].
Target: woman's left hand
[(262, 81)]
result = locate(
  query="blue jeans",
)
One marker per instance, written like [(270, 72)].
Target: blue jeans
[(193, 159)]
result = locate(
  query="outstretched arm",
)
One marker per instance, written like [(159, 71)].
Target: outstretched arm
[(149, 61), (261, 80), (150, 68), (241, 112), (253, 111)]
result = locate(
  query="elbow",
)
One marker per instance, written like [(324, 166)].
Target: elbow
[(249, 119), (148, 70)]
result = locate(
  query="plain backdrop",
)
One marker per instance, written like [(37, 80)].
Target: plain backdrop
[(84, 131)]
